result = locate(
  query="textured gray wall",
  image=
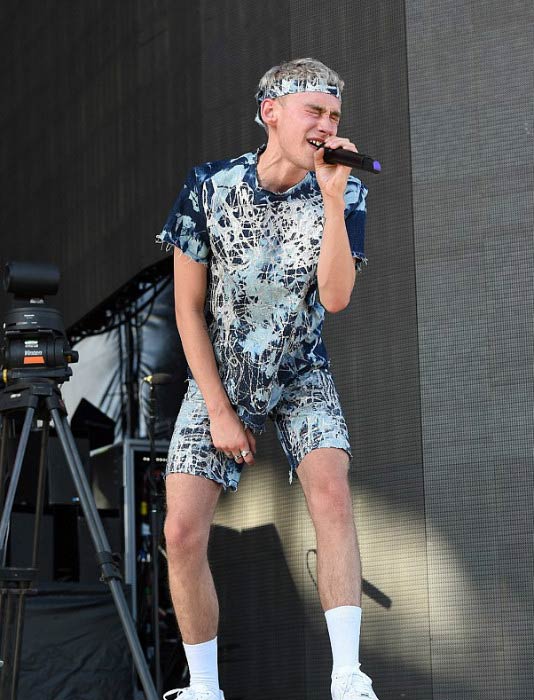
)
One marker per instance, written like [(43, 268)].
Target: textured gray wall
[(471, 81), (373, 345)]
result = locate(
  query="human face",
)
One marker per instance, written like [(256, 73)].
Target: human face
[(304, 121)]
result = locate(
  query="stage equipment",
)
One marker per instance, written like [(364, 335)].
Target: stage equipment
[(126, 311), (90, 422), (35, 355), (120, 307), (59, 489), (154, 480), (353, 160), (119, 475)]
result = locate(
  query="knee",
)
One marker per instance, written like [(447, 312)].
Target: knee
[(184, 538), (331, 502)]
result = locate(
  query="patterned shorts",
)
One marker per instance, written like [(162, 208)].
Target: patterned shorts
[(307, 415)]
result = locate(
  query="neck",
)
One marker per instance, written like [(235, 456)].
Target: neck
[(275, 173)]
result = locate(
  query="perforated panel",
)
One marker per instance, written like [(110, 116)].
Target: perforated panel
[(471, 84)]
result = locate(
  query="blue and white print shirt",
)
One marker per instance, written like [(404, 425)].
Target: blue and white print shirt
[(263, 311)]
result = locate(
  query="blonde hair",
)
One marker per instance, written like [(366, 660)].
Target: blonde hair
[(302, 70)]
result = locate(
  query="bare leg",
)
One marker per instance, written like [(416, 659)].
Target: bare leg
[(323, 475), (191, 502)]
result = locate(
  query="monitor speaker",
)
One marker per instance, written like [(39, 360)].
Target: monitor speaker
[(60, 488)]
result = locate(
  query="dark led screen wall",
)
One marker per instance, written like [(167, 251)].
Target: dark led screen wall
[(471, 81), (111, 103)]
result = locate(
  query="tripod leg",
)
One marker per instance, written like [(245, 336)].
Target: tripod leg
[(3, 452), (15, 476), (21, 604), (6, 677), (155, 532), (110, 572), (40, 494)]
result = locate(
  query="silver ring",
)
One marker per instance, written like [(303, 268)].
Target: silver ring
[(237, 456), (244, 453)]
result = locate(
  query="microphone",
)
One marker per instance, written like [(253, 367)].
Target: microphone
[(333, 156)]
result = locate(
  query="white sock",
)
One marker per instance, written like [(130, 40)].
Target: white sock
[(344, 631), (202, 662)]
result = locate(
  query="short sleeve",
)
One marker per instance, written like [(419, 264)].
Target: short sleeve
[(355, 213), (186, 227)]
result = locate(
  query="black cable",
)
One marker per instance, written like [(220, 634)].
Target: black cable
[(311, 551), (121, 386), (151, 301), (121, 313)]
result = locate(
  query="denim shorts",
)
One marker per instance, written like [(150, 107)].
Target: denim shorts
[(307, 415)]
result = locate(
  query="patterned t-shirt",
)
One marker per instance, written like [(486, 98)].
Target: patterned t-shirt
[(263, 311)]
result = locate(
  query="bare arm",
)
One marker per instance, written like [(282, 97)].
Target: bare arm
[(336, 273), (190, 284)]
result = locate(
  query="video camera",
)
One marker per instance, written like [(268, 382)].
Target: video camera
[(33, 343)]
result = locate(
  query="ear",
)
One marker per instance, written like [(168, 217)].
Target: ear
[(268, 111)]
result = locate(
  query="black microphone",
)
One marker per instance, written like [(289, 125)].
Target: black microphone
[(333, 156)]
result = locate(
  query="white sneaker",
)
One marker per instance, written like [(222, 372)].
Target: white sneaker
[(193, 692), (349, 683)]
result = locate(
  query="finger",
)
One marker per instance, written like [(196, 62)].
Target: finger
[(241, 454), (336, 142), (226, 450), (337, 139), (246, 453), (238, 444), (249, 457), (251, 440), (318, 157)]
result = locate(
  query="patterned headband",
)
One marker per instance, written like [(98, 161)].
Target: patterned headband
[(289, 86)]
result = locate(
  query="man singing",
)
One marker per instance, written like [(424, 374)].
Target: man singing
[(264, 243)]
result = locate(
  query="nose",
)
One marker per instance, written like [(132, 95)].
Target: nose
[(326, 126)]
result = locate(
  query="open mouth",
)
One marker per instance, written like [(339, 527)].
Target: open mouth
[(316, 143)]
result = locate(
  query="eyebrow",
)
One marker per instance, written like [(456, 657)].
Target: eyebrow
[(333, 112)]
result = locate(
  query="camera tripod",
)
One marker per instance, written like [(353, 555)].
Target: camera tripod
[(41, 398)]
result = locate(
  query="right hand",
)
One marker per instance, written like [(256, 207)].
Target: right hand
[(230, 436)]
